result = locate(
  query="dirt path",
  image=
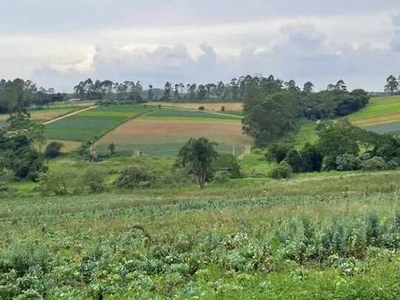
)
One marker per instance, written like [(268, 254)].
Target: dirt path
[(69, 115)]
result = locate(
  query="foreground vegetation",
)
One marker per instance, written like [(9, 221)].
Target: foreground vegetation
[(334, 237)]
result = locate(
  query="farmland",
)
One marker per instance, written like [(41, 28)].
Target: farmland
[(86, 125), (215, 107), (303, 239), (164, 131)]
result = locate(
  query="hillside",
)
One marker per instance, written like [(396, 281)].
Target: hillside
[(381, 115)]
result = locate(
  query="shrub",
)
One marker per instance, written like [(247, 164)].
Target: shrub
[(223, 108), (294, 160), (282, 171), (133, 177), (311, 158), (53, 150), (26, 254), (393, 164), (376, 163), (111, 147), (94, 179), (60, 181), (329, 163), (229, 163), (347, 162), (277, 152), (201, 108)]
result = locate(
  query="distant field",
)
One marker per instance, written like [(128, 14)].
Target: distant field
[(216, 107), (190, 115), (50, 112), (381, 115), (163, 132), (96, 122)]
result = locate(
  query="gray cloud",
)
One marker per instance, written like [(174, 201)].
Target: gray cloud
[(193, 41), (50, 15)]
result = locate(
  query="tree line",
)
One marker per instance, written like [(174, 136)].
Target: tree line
[(108, 90), (18, 92), (192, 92), (273, 108)]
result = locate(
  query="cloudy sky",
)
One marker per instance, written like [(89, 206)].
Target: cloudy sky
[(58, 43)]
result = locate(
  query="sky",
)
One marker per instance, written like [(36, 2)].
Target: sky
[(59, 43)]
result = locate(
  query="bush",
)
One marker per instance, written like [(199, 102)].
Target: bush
[(229, 163), (53, 150), (294, 160), (63, 181), (329, 163), (222, 108), (94, 179), (393, 164), (134, 177), (24, 255), (282, 171), (376, 163), (311, 158), (201, 108), (277, 152), (347, 162)]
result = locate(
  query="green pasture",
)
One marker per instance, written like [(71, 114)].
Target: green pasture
[(86, 125), (379, 106)]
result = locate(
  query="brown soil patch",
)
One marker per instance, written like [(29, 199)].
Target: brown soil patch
[(157, 131), (49, 114)]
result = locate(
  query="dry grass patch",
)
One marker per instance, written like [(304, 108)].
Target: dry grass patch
[(386, 119)]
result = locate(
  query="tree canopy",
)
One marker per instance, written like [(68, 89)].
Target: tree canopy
[(198, 155)]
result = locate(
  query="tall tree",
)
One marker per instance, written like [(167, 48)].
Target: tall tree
[(392, 85), (167, 92), (150, 93), (308, 87), (198, 155)]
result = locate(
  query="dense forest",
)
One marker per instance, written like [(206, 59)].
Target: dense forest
[(273, 109), (18, 92)]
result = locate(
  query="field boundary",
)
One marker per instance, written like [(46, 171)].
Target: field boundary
[(220, 114), (69, 114), (98, 138)]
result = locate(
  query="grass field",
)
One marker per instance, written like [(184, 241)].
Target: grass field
[(381, 115), (314, 238), (164, 131), (86, 125)]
